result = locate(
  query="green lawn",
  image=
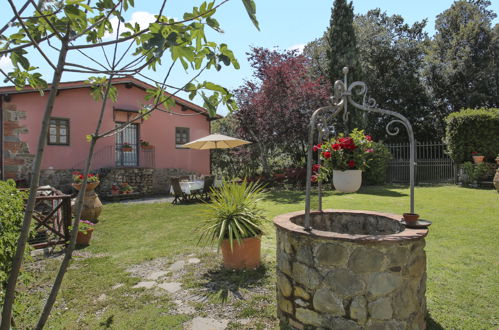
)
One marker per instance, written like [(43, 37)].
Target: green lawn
[(462, 285)]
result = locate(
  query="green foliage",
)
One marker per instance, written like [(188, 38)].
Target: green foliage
[(11, 217), (461, 62), (233, 213), (375, 174), (472, 130), (477, 172)]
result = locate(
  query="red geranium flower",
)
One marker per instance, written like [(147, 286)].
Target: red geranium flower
[(316, 167), (369, 138), (351, 164), (336, 146), (326, 154), (370, 150), (313, 178), (317, 147)]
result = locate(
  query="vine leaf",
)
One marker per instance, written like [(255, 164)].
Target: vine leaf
[(251, 10)]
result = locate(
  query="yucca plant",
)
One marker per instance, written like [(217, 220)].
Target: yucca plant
[(233, 213)]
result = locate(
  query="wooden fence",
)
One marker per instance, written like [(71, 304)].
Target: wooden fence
[(52, 215), (433, 165)]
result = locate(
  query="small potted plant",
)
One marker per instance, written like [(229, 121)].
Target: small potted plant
[(92, 181), (145, 145), (234, 221), (115, 189), (126, 188), (344, 157), (85, 230), (477, 157), (126, 147)]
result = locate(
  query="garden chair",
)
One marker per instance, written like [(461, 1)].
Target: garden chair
[(178, 194), (208, 184)]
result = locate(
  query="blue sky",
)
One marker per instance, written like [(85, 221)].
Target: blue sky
[(283, 23)]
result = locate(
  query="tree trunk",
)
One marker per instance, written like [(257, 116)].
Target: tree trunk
[(30, 205)]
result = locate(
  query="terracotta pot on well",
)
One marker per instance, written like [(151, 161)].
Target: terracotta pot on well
[(411, 218), (92, 206), (478, 159), (149, 147), (126, 149), (84, 239), (244, 256)]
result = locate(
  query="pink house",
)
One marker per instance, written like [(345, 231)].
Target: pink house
[(76, 114)]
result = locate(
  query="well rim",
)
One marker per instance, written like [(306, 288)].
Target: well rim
[(284, 222)]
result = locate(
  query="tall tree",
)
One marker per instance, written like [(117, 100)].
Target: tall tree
[(275, 108), (391, 53), (342, 51), (461, 66)]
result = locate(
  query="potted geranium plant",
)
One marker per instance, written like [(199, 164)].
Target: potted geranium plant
[(145, 145), (85, 230), (235, 222), (477, 157), (126, 188), (126, 147), (92, 181), (344, 157)]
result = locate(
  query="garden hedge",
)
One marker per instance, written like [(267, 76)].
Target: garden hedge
[(11, 218), (472, 130)]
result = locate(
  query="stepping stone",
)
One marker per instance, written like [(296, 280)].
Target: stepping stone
[(184, 308), (176, 266), (102, 297), (171, 287), (155, 275), (196, 298), (145, 284), (206, 323), (117, 286), (194, 261)]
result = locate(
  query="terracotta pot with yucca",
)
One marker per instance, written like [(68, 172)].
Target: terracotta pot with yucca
[(234, 221)]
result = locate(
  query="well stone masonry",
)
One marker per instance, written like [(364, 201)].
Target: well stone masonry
[(354, 270)]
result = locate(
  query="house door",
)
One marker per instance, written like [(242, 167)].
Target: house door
[(128, 136)]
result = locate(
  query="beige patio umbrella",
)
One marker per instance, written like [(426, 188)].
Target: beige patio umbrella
[(215, 141)]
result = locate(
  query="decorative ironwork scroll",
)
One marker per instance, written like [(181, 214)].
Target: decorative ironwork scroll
[(342, 97)]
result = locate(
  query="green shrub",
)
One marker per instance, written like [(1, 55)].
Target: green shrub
[(473, 130), (375, 174), (477, 172), (11, 218)]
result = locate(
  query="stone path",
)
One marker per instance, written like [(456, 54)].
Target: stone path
[(157, 274)]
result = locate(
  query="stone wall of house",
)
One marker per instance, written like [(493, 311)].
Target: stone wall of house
[(144, 181), (345, 282), (17, 158)]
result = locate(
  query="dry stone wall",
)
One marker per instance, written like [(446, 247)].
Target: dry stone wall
[(334, 280)]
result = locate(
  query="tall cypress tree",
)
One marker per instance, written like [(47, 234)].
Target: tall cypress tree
[(342, 51)]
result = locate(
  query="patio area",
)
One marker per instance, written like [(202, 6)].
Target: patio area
[(144, 268)]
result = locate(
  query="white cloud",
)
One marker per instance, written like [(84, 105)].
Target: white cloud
[(298, 47), (6, 64), (143, 18)]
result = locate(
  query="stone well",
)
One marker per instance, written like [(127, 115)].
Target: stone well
[(354, 270)]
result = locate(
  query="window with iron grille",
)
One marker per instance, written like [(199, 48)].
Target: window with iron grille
[(58, 131), (181, 136)]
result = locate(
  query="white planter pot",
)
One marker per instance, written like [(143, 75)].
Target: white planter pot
[(348, 181)]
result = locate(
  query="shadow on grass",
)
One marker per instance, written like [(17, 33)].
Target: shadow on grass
[(432, 324), (380, 191), (222, 282), (108, 322), (292, 196)]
